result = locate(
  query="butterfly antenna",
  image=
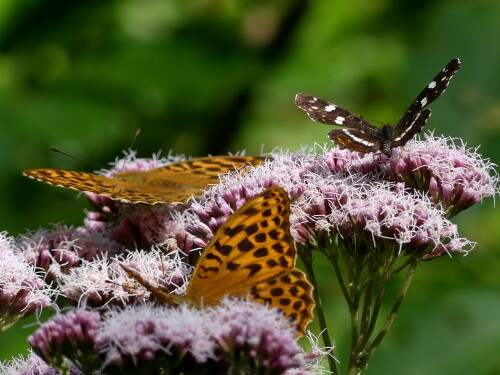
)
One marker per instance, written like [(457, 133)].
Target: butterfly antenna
[(134, 138), (55, 149), (373, 121)]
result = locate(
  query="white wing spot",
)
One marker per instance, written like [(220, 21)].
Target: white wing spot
[(314, 107), (423, 102), (432, 85), (357, 139), (313, 100), (330, 108), (408, 128), (339, 120)]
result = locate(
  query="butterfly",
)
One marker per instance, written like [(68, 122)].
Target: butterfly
[(173, 183), (253, 253), (359, 135)]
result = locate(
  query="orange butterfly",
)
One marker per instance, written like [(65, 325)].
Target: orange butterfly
[(253, 253), (173, 183)]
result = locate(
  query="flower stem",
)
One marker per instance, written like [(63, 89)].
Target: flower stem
[(332, 254), (367, 305), (305, 255), (392, 315)]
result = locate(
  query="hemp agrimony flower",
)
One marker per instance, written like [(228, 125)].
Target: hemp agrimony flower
[(235, 336), (61, 248), (34, 365), (454, 176), (22, 289), (71, 336), (103, 280)]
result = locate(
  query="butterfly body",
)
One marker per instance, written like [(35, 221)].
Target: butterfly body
[(358, 134), (173, 183), (252, 254), (386, 137)]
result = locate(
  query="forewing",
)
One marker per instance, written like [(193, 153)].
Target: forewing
[(430, 93), (252, 246), (174, 183), (403, 134), (291, 293), (170, 192), (355, 140), (196, 175), (327, 113)]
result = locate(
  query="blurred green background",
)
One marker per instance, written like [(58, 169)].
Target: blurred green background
[(206, 76)]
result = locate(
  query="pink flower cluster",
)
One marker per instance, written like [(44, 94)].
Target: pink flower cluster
[(177, 340), (372, 200), (22, 288), (61, 248), (453, 176)]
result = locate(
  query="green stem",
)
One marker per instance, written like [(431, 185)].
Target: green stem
[(374, 316), (332, 255), (411, 259), (305, 255), (367, 304), (377, 303), (360, 354), (392, 315), (354, 335), (355, 297)]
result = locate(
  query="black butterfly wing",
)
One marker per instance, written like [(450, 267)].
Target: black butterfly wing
[(403, 134), (430, 93), (355, 140), (328, 113)]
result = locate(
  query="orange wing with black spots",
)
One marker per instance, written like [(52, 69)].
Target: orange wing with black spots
[(253, 245), (174, 183), (252, 254), (291, 293)]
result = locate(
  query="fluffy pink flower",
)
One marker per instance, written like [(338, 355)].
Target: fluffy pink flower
[(146, 339), (103, 280), (61, 248), (22, 290), (33, 365)]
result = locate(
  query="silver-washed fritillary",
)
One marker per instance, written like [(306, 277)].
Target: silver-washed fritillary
[(253, 253), (173, 183)]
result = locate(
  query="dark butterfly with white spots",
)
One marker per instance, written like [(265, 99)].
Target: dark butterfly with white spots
[(359, 135)]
